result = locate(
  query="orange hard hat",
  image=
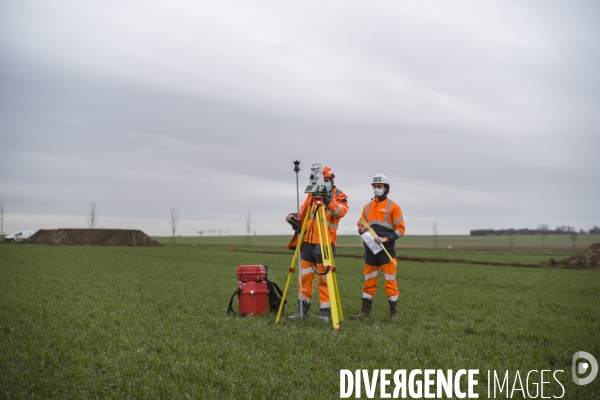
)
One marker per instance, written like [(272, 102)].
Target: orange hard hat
[(327, 172)]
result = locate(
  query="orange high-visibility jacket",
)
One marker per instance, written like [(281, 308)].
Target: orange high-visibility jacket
[(385, 217), (336, 209)]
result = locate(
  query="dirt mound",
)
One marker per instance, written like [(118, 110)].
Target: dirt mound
[(92, 237), (587, 259)]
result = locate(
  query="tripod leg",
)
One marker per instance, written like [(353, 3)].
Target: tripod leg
[(296, 252), (327, 254), (337, 291), (333, 301), (324, 238), (337, 297)]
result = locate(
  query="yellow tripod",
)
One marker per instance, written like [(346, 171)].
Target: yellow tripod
[(318, 210)]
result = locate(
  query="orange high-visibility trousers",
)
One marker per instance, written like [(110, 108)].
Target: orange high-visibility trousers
[(308, 275), (389, 275)]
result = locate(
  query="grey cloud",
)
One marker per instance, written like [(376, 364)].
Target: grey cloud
[(483, 114)]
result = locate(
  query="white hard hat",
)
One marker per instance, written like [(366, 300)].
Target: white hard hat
[(380, 178)]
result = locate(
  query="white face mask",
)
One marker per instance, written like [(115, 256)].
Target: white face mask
[(328, 186), (377, 192)]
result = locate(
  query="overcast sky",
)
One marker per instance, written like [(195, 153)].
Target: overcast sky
[(483, 114)]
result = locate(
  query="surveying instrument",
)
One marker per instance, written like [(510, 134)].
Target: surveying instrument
[(316, 188)]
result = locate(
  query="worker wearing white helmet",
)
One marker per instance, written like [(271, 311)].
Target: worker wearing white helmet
[(385, 218)]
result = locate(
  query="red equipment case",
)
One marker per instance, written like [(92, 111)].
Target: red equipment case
[(247, 273), (253, 298)]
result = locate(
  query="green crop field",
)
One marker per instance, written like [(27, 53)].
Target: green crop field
[(125, 322)]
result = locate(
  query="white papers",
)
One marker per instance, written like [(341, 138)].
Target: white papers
[(371, 243)]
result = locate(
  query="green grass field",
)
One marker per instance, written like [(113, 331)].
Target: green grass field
[(91, 322)]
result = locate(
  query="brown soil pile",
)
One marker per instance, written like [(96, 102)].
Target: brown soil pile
[(92, 237), (587, 259)]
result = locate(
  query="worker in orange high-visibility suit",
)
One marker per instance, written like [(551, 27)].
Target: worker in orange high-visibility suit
[(385, 218), (311, 261)]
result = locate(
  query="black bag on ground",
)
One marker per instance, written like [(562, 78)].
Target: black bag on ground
[(275, 295)]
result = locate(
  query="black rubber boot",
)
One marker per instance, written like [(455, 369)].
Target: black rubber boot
[(393, 309), (365, 312), (305, 307), (325, 314)]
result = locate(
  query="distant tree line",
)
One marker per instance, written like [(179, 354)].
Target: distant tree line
[(541, 230)]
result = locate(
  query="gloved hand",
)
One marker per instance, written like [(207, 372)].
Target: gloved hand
[(292, 219), (291, 216), (327, 199)]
